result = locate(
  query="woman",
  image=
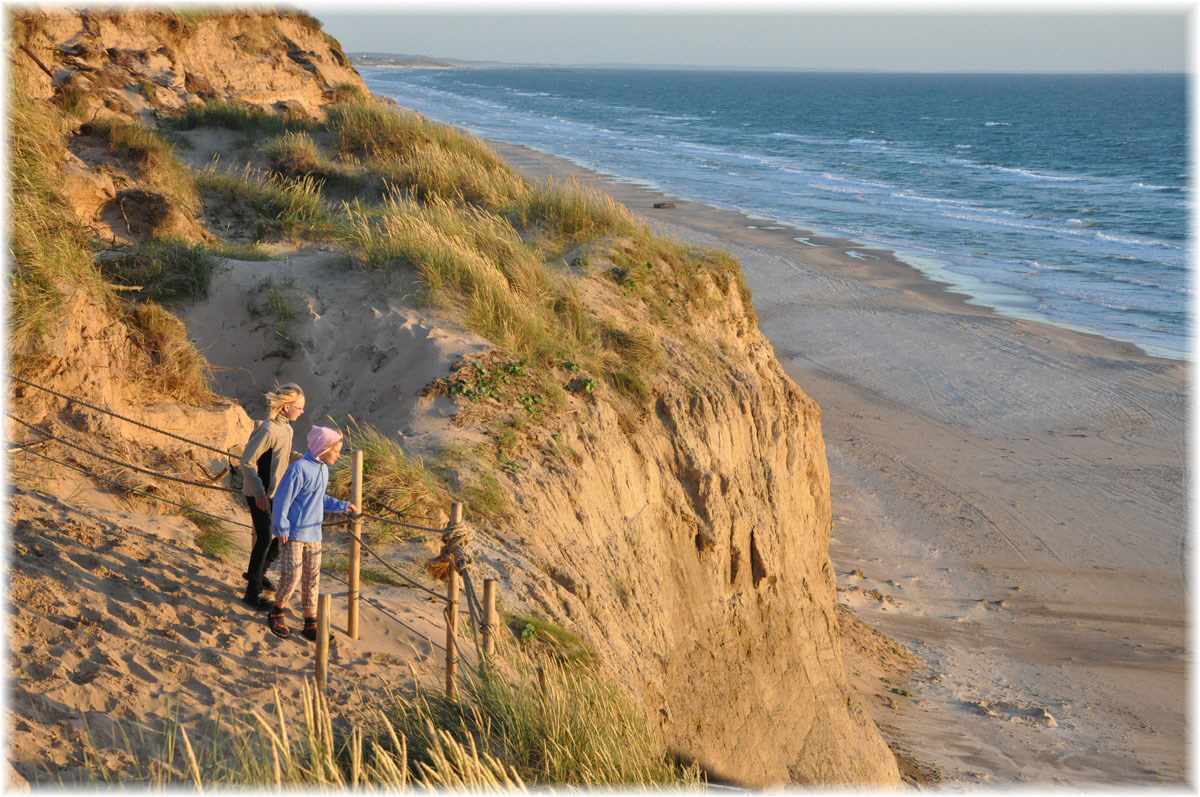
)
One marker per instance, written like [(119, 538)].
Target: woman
[(265, 458)]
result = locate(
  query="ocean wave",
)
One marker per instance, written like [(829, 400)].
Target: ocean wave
[(1028, 173), (997, 124), (1121, 239)]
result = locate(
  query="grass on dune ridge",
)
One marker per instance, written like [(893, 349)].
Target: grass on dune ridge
[(510, 730)]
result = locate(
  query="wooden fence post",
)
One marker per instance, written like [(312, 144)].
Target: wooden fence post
[(489, 616), (451, 635), (355, 548), (452, 611), (323, 643)]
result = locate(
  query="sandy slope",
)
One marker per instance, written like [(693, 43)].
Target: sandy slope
[(118, 623), (1012, 494)]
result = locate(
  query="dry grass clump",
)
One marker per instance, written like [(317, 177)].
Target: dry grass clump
[(306, 746), (543, 724), (566, 724), (673, 278), (177, 368), (569, 213), (391, 478), (281, 205), (46, 243), (296, 155), (469, 258), (212, 536), (371, 129), (421, 159)]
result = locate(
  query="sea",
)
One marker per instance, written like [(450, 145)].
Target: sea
[(1061, 198)]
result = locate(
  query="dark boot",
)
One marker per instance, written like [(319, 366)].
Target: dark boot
[(309, 631), (256, 601)]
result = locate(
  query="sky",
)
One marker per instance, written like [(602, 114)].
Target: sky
[(887, 37)]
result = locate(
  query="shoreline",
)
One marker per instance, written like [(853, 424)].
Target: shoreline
[(1008, 498), (898, 273)]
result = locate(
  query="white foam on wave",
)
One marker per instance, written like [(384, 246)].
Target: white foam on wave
[(1122, 239), (997, 124)]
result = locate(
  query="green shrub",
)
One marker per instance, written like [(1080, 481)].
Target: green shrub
[(165, 270)]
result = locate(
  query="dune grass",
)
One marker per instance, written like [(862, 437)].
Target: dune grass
[(422, 160), (176, 368), (281, 205), (524, 722), (549, 723), (212, 536), (234, 116), (541, 725), (46, 242), (165, 270), (296, 155), (391, 478), (472, 259), (569, 213)]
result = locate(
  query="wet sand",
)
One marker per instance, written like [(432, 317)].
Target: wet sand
[(1008, 498)]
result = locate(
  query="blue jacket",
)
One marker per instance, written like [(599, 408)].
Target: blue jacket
[(301, 503)]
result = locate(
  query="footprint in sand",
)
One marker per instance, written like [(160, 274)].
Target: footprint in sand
[(1023, 713)]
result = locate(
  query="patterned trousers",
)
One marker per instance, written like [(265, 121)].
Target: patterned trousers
[(293, 557)]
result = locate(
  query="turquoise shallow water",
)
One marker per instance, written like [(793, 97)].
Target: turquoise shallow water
[(1057, 197)]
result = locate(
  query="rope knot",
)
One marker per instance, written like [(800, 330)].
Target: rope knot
[(453, 555)]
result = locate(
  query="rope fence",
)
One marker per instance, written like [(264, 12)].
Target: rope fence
[(89, 405), (453, 561)]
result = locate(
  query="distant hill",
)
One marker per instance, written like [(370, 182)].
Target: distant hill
[(417, 61)]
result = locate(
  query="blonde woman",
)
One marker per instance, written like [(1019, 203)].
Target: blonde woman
[(265, 458)]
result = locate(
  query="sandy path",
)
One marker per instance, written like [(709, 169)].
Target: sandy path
[(1014, 491), (119, 624)]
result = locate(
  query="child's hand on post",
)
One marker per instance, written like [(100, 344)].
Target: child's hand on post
[(352, 508)]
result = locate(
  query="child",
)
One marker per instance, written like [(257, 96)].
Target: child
[(266, 455), (296, 516)]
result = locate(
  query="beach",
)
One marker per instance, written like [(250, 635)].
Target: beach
[(1008, 499)]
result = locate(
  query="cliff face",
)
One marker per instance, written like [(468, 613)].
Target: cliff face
[(693, 551), (128, 61)]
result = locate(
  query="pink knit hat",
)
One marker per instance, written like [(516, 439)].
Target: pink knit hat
[(321, 439)]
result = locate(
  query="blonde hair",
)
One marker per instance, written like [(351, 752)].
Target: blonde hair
[(282, 397)]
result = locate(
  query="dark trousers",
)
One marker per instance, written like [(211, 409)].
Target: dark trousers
[(265, 550)]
